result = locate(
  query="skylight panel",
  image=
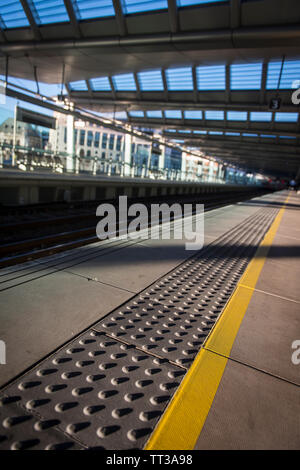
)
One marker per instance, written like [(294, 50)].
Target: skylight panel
[(245, 76), (268, 136), (237, 115), (124, 82), (89, 9), (138, 114), (12, 14), (200, 132), (193, 114), (245, 134), (151, 80), (233, 134), (79, 85), (289, 77), (100, 84), (215, 133), (286, 117), (286, 137), (171, 130), (211, 77), (173, 114), (184, 131), (214, 115), (180, 79), (154, 114), (120, 115), (260, 116), (49, 11), (186, 3), (138, 6)]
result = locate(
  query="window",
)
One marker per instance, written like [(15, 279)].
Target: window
[(82, 137), (104, 141), (97, 139), (119, 143), (184, 3), (111, 142), (89, 138)]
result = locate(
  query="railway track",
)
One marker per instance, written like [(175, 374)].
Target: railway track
[(24, 250)]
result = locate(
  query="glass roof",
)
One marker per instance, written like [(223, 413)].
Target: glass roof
[(136, 114), (49, 11), (12, 14), (246, 76), (185, 3), (138, 6), (88, 9), (286, 117), (214, 115), (151, 80), (260, 116), (79, 85), (100, 84), (211, 77), (237, 115), (180, 79), (290, 74), (124, 82), (154, 114), (193, 114), (173, 114)]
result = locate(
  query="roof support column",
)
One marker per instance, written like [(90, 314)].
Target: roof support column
[(127, 154), (70, 144)]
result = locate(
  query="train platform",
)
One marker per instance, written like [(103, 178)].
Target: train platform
[(144, 345)]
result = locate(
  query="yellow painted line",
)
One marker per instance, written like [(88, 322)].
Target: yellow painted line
[(184, 418)]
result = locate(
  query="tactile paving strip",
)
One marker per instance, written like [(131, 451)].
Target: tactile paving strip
[(108, 388)]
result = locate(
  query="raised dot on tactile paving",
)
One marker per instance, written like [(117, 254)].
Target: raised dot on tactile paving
[(44, 372), (135, 434), (105, 431), (74, 428), (46, 424), (121, 412), (15, 420), (149, 415), (32, 404), (55, 388), (104, 394), (30, 384), (92, 409), (130, 397), (62, 407), (119, 380)]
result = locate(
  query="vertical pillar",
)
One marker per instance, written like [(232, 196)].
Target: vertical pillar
[(13, 158), (161, 159), (70, 144), (127, 154), (183, 166)]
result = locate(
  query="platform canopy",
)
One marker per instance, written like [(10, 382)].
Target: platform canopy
[(218, 75)]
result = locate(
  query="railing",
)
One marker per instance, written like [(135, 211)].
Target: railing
[(35, 159)]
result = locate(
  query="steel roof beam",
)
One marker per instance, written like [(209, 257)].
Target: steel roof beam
[(120, 19), (73, 18), (31, 20), (173, 16)]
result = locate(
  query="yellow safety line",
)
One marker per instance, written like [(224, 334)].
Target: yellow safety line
[(183, 420)]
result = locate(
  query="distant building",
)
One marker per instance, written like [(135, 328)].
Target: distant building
[(26, 134)]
